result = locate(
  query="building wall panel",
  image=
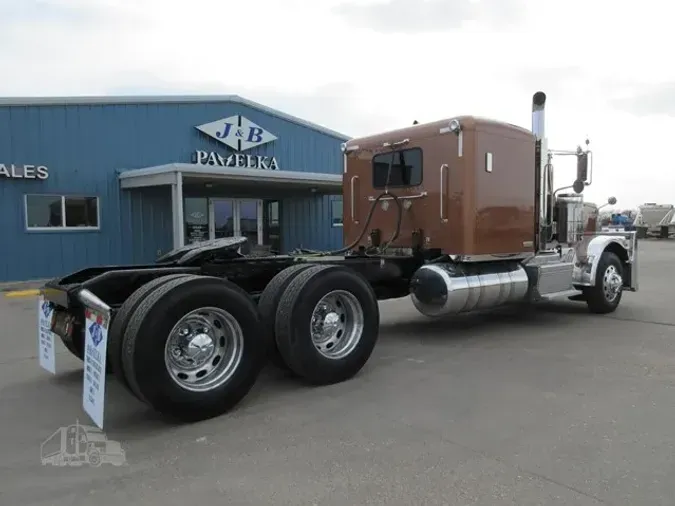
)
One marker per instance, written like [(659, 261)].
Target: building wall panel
[(308, 225), (146, 220), (85, 147)]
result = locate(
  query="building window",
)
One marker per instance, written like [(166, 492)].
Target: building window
[(271, 225), (273, 213), (61, 212), (398, 169), (336, 212)]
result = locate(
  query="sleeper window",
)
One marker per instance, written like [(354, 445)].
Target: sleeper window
[(406, 169)]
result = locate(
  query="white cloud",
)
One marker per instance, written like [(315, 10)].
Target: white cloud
[(362, 66)]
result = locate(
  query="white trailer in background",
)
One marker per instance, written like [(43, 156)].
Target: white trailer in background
[(656, 220)]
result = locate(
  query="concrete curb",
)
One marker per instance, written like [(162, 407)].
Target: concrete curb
[(22, 293), (22, 288)]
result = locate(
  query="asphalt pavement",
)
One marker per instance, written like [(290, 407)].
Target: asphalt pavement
[(558, 407)]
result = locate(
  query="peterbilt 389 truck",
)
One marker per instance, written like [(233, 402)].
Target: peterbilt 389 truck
[(459, 214)]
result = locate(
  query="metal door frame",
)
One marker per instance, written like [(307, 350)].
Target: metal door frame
[(236, 216)]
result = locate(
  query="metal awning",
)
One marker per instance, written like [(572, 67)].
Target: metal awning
[(180, 175), (195, 173)]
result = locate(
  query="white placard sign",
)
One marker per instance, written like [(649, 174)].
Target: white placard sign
[(46, 352), (95, 346)]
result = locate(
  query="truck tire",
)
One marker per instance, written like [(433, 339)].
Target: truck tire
[(604, 297), (268, 304), (327, 324), (120, 322), (194, 347)]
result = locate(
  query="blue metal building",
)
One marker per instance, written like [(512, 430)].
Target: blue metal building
[(91, 181)]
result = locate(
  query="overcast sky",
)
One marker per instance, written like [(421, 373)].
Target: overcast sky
[(361, 66)]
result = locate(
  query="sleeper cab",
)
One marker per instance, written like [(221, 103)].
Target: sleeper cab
[(469, 192)]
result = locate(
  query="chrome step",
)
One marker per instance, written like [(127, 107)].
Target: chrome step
[(551, 278)]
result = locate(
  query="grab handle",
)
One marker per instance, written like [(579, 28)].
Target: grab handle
[(444, 168), (353, 204)]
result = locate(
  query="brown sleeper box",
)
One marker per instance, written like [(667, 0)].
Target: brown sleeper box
[(481, 212)]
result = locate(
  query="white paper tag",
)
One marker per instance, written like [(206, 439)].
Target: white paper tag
[(95, 346), (46, 352)]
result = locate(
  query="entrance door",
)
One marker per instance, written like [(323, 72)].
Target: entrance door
[(222, 218), (196, 215), (236, 217), (250, 220)]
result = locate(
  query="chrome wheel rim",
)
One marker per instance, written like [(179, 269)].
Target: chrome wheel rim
[(611, 283), (337, 324), (204, 349)]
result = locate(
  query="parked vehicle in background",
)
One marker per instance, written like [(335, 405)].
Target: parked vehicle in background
[(655, 220)]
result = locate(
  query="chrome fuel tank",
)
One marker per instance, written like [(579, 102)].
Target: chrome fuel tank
[(448, 288)]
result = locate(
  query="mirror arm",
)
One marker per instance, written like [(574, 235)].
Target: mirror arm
[(561, 189), (590, 168)]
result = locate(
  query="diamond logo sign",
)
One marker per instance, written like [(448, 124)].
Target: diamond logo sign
[(237, 132)]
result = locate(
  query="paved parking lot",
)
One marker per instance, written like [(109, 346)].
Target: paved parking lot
[(559, 407)]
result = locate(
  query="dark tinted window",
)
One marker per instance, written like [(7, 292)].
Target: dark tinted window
[(81, 211), (336, 211), (44, 211), (271, 226), (406, 168), (57, 211)]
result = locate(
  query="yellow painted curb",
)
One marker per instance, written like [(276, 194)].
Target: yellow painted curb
[(23, 293)]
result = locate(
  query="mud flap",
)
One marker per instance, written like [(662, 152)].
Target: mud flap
[(97, 323), (46, 338)]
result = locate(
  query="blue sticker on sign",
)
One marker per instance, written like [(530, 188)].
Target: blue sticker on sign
[(46, 308), (96, 333)]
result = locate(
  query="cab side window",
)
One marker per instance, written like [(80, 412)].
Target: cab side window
[(398, 169)]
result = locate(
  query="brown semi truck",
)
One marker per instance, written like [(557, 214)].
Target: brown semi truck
[(477, 194), (459, 213)]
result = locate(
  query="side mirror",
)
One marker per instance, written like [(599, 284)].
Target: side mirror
[(582, 167), (582, 171), (611, 201)]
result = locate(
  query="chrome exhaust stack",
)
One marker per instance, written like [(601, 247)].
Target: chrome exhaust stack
[(539, 131), (539, 115)]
